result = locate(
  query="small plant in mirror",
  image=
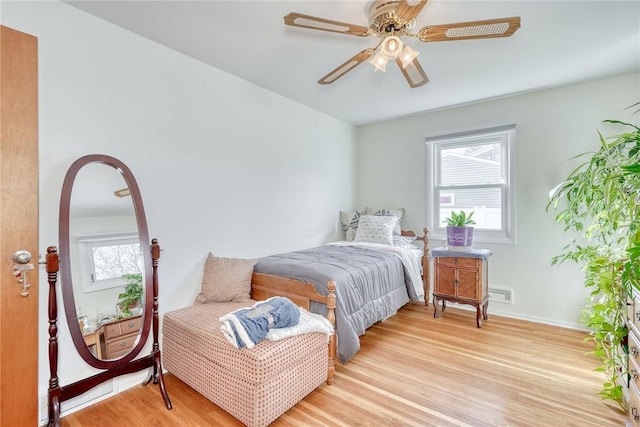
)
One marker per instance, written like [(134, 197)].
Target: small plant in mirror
[(131, 297)]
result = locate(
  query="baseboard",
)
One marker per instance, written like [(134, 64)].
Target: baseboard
[(91, 397), (535, 319)]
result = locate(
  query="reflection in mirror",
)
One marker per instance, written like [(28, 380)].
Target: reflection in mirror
[(106, 261), (111, 234)]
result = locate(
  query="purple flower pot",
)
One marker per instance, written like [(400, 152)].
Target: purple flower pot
[(459, 236)]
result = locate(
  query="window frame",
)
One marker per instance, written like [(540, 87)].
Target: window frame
[(86, 244), (434, 145)]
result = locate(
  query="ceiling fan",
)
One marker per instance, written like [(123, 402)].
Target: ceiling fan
[(391, 19)]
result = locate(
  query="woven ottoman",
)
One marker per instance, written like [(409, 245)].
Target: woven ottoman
[(255, 385)]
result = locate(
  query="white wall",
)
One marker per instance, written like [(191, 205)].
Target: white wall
[(552, 126), (228, 167), (223, 165)]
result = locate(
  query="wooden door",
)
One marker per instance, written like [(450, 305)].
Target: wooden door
[(18, 227)]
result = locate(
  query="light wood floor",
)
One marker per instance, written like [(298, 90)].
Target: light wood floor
[(414, 370)]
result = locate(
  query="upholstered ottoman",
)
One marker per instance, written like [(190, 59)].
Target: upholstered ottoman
[(255, 385)]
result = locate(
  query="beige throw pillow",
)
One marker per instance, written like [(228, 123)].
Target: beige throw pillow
[(226, 279)]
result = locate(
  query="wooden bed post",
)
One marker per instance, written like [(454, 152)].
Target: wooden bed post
[(425, 267), (264, 286), (331, 316)]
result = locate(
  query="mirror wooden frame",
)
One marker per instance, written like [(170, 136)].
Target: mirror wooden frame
[(114, 367)]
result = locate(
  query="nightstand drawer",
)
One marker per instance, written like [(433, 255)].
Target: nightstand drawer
[(462, 262)]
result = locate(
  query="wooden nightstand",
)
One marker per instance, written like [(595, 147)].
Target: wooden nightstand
[(461, 277)]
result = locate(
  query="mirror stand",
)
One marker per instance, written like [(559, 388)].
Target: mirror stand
[(58, 394)]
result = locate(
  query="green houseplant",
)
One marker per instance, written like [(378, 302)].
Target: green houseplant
[(600, 203), (459, 229), (461, 219), (131, 297)]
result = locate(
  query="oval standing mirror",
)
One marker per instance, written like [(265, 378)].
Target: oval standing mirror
[(106, 277)]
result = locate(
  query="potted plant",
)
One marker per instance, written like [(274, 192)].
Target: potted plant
[(601, 203), (459, 229), (131, 297)]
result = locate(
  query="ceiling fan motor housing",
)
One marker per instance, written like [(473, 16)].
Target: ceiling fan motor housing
[(383, 19)]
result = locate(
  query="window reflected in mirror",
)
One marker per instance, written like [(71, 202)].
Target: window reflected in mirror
[(107, 258)]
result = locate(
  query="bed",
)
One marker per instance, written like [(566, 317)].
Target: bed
[(373, 279)]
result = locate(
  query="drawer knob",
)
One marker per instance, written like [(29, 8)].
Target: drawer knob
[(122, 344), (634, 413), (634, 351), (638, 315), (634, 374), (132, 324)]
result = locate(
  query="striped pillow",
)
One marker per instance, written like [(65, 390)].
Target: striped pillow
[(349, 224)]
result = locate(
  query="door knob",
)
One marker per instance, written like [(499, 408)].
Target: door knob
[(20, 265)]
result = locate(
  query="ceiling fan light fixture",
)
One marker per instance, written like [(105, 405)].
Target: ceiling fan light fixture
[(407, 56), (379, 61), (391, 47)]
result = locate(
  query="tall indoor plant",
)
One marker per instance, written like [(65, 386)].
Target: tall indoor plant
[(601, 201)]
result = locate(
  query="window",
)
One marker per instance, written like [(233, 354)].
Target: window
[(472, 171), (105, 258)]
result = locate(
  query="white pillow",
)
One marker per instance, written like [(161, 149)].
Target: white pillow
[(376, 229), (399, 212)]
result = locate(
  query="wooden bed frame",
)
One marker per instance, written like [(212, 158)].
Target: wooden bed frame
[(425, 260), (265, 286)]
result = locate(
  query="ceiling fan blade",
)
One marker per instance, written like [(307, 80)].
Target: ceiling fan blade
[(306, 21), (490, 28), (414, 73), (409, 9), (349, 65)]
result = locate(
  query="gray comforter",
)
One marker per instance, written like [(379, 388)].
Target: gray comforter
[(370, 285)]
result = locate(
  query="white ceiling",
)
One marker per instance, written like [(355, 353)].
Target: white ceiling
[(559, 42)]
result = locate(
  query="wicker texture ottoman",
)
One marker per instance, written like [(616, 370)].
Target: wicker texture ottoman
[(256, 386)]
